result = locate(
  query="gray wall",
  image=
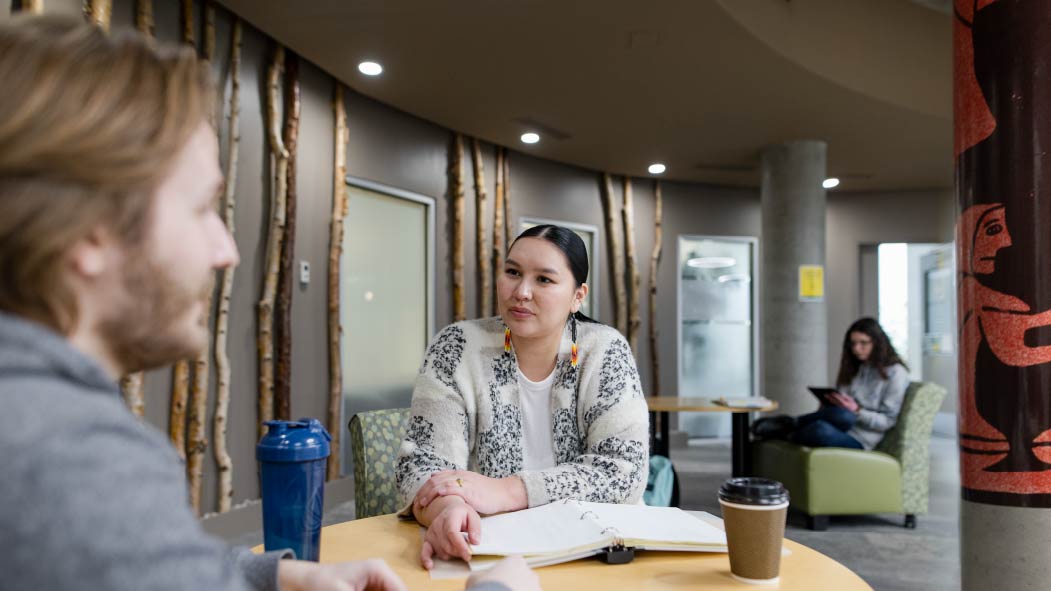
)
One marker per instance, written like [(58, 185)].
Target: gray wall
[(397, 149), (856, 219)]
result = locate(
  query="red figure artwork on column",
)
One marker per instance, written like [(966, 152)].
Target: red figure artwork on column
[(993, 319), (1002, 105)]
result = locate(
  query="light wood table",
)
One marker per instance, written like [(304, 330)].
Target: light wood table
[(398, 543), (740, 433)]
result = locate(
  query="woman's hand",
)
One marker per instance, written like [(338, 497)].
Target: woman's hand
[(843, 401), (445, 536), (486, 495)]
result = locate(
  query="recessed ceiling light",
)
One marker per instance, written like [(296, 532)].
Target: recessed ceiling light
[(530, 138), (370, 68), (830, 183), (657, 168)]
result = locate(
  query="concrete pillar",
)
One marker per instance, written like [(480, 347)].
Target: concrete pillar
[(793, 329), (1003, 188)]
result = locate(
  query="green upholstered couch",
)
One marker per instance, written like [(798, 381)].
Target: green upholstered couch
[(375, 437), (892, 478)]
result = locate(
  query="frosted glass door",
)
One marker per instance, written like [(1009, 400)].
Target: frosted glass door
[(384, 303), (716, 326)]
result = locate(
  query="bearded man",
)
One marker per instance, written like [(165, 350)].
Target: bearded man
[(109, 241)]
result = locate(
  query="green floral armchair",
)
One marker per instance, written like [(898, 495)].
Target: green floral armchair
[(374, 440), (892, 478)]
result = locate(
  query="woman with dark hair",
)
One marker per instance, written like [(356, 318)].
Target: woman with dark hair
[(870, 389), (535, 405)]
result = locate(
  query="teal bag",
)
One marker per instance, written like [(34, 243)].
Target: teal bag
[(660, 482)]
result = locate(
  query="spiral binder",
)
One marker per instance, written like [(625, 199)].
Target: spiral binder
[(617, 553)]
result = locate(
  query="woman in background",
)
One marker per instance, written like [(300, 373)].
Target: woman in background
[(870, 390)]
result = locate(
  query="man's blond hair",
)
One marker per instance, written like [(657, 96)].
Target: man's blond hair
[(89, 126)]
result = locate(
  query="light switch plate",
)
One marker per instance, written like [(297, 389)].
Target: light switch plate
[(304, 273)]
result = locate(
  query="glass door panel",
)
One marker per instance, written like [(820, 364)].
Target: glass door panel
[(385, 300), (717, 336)]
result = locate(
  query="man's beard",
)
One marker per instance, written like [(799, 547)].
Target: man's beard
[(151, 328)]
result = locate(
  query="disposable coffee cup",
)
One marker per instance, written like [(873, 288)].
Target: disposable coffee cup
[(754, 512)]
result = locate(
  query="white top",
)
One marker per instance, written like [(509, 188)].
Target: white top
[(535, 399)]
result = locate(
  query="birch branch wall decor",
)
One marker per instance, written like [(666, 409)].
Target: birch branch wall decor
[(33, 6), (655, 259), (485, 295), (197, 442), (209, 32), (186, 14), (611, 216), (632, 278), (177, 412), (223, 463), (499, 239), (510, 232), (197, 436), (456, 194), (283, 316), (273, 245), (100, 13), (181, 371), (144, 17), (131, 390), (335, 252)]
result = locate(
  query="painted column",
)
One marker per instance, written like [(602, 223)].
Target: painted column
[(1002, 102), (793, 315)]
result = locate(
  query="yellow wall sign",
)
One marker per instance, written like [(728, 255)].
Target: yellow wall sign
[(811, 283)]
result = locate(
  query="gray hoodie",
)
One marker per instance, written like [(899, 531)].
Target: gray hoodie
[(92, 498), (879, 401)]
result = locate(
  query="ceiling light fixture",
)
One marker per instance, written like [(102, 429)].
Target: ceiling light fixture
[(370, 68), (830, 183), (530, 138), (711, 262), (656, 168)]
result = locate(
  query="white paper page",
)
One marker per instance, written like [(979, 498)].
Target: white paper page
[(712, 520), (547, 529), (663, 525), (480, 564), (454, 568)]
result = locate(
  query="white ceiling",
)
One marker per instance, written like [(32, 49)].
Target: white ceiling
[(700, 85)]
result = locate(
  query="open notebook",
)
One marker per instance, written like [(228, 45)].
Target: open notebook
[(568, 530)]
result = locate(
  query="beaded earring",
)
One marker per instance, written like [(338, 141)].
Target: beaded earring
[(507, 340), (573, 350)]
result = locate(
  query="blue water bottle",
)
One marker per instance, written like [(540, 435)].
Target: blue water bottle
[(292, 457)]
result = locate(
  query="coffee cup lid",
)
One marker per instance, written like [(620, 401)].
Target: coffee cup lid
[(753, 491)]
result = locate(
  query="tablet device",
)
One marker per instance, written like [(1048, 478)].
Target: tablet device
[(823, 394)]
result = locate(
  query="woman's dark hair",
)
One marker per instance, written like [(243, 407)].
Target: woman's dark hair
[(883, 354), (571, 245)]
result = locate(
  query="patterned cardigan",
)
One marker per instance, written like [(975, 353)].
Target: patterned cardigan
[(466, 416)]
